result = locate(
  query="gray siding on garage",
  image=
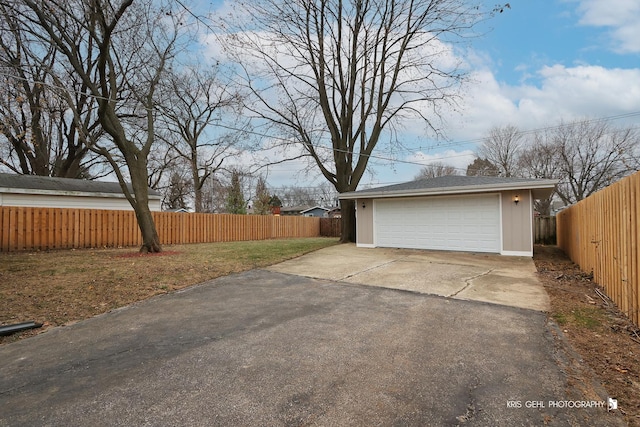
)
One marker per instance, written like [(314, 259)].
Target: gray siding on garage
[(517, 223), (364, 222)]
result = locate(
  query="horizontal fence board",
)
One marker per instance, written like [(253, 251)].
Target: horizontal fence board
[(26, 229), (601, 235)]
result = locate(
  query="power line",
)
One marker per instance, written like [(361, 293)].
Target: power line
[(536, 130), (394, 160), (370, 156)]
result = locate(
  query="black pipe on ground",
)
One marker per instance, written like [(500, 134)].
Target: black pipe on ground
[(18, 327)]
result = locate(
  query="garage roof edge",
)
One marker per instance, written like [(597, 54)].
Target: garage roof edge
[(538, 184)]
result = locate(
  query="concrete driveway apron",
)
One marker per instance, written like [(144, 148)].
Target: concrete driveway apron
[(489, 278)]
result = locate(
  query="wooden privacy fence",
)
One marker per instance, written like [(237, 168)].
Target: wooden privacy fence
[(601, 234), (330, 227), (54, 228), (544, 230)]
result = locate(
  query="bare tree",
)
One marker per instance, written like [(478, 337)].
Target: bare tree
[(436, 169), (38, 137), (336, 77), (482, 167), (501, 147), (326, 195), (592, 155), (119, 51), (540, 161), (584, 155), (297, 196), (177, 192), (214, 195), (195, 102), (162, 162), (323, 194), (261, 198)]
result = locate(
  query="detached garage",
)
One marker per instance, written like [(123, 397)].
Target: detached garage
[(455, 213)]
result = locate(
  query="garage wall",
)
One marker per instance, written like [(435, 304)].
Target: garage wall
[(517, 223), (364, 222)]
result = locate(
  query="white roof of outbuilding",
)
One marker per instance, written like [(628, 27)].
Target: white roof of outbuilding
[(11, 183)]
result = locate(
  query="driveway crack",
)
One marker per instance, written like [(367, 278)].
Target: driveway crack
[(366, 270), (471, 409), (468, 282)]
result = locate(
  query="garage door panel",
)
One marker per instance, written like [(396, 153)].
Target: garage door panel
[(464, 223)]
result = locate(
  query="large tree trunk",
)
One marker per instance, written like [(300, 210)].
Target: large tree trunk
[(198, 199), (150, 239), (140, 203), (348, 213), (197, 182)]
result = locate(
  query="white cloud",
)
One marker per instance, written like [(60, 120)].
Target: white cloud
[(563, 93), (458, 159), (591, 90), (621, 16)]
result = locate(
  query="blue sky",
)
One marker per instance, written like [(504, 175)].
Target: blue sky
[(533, 34), (543, 61)]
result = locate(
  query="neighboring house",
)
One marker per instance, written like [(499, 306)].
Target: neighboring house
[(335, 213), (293, 210), (47, 192), (457, 213), (316, 211)]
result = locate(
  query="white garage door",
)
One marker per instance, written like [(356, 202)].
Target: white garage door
[(460, 223)]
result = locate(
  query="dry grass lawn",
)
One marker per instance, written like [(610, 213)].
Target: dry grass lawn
[(60, 287)]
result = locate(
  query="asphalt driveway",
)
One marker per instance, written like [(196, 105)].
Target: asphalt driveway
[(264, 348)]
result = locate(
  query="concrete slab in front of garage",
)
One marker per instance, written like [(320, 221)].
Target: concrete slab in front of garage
[(510, 281)]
